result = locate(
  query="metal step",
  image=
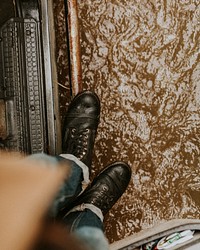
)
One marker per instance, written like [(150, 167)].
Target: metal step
[(30, 116)]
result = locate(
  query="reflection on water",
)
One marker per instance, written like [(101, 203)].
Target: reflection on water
[(142, 59)]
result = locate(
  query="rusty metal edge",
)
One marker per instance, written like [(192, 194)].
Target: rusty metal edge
[(74, 47)]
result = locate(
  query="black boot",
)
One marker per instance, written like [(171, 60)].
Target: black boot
[(106, 188), (80, 126)]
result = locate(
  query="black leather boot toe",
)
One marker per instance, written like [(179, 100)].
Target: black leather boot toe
[(106, 188)]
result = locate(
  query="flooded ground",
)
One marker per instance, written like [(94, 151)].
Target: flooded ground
[(142, 59)]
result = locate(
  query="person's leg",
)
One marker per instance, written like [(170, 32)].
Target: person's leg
[(74, 184), (84, 216), (79, 133), (88, 227), (94, 238)]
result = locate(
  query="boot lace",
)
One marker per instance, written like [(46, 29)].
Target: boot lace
[(79, 142)]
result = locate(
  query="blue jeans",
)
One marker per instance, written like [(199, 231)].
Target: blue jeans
[(85, 225)]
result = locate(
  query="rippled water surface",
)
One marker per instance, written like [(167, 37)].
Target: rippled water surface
[(142, 59)]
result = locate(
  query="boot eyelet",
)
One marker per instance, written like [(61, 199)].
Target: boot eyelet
[(73, 131)]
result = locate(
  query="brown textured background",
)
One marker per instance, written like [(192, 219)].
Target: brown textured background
[(142, 59)]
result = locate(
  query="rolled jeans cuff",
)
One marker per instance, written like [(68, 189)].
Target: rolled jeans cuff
[(91, 207), (84, 168)]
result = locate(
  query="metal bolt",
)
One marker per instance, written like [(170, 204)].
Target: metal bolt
[(28, 32), (32, 107)]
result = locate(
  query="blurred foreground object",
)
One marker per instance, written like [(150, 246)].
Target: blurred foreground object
[(26, 192)]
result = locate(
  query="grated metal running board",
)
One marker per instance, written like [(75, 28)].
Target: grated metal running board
[(27, 97)]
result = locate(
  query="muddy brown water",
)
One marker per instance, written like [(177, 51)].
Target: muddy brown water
[(142, 59)]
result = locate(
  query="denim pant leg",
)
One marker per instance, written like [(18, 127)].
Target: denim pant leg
[(72, 185), (93, 238), (88, 228), (85, 225), (71, 188)]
